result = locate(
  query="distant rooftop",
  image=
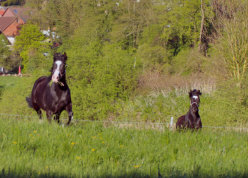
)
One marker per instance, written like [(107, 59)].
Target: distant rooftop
[(5, 22)]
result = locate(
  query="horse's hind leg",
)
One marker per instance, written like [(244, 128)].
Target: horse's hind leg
[(49, 116), (70, 113), (39, 113), (37, 109), (56, 117)]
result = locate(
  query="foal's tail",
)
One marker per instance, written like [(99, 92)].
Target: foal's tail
[(29, 101)]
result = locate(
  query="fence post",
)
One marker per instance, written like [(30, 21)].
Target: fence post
[(19, 71), (171, 123)]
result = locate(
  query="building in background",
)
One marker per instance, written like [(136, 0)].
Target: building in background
[(11, 19)]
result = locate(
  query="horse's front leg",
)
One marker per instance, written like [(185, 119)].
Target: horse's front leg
[(49, 115), (199, 124), (70, 113)]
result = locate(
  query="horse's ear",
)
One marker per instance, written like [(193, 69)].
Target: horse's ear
[(190, 93), (65, 55), (199, 92), (55, 55)]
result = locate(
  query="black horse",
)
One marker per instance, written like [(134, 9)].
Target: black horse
[(192, 119), (52, 93)]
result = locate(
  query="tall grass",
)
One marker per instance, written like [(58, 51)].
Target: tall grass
[(38, 149), (220, 108)]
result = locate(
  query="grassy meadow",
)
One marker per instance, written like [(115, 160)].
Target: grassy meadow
[(30, 148)]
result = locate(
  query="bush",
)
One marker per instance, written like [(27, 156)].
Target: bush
[(97, 82), (153, 57), (189, 61)]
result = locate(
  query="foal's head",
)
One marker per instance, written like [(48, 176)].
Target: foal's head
[(58, 69), (194, 99)]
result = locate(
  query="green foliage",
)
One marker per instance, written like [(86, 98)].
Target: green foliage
[(30, 34), (180, 24), (4, 52), (233, 40), (8, 59), (98, 81), (153, 57), (31, 45), (189, 61), (156, 29), (130, 21), (12, 2)]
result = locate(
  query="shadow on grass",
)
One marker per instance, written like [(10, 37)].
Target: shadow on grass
[(176, 174), (1, 91), (131, 175)]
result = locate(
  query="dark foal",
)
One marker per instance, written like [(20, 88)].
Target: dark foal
[(192, 119), (52, 93)]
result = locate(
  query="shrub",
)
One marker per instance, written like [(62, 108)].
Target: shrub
[(188, 61), (98, 81), (153, 56)]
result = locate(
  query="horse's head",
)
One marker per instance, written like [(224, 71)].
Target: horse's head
[(194, 99), (58, 69)]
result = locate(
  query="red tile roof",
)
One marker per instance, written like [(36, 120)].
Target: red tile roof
[(2, 12), (5, 22), (19, 11)]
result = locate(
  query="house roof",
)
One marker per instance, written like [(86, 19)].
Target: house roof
[(5, 22), (19, 11), (2, 11)]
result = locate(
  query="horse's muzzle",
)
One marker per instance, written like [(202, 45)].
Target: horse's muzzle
[(55, 78)]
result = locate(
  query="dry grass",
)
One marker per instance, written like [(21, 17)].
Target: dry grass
[(154, 81)]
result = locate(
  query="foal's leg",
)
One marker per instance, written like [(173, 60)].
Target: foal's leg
[(199, 124), (68, 108), (49, 116)]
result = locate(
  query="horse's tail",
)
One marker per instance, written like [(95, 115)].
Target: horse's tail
[(29, 101)]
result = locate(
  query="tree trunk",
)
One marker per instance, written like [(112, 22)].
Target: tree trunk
[(202, 44)]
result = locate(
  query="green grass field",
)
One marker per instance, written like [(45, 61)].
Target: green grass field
[(30, 148)]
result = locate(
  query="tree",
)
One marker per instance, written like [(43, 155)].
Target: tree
[(60, 16), (31, 46), (13, 2), (4, 53), (233, 40), (131, 19)]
